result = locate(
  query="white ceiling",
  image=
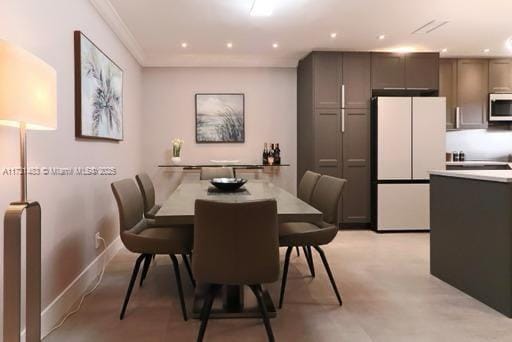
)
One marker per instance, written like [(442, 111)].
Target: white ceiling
[(154, 29)]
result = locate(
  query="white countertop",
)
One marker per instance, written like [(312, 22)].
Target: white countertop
[(502, 176), (475, 163)]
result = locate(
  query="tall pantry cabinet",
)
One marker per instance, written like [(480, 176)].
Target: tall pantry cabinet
[(334, 92)]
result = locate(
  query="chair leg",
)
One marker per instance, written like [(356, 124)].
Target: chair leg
[(145, 268), (256, 289), (178, 283), (205, 311), (309, 259), (130, 285), (189, 270), (285, 275), (329, 273)]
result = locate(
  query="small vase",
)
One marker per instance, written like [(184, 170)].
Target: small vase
[(176, 160)]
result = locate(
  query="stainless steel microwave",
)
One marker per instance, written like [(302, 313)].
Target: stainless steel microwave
[(500, 107)]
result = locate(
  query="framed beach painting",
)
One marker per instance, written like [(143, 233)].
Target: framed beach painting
[(220, 118), (98, 92)]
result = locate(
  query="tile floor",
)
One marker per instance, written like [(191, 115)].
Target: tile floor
[(384, 279)]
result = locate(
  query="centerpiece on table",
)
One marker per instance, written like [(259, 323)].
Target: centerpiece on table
[(177, 144)]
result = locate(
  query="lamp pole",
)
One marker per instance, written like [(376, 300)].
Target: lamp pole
[(23, 161)]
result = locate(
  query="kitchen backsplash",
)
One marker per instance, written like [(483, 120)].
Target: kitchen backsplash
[(481, 144)]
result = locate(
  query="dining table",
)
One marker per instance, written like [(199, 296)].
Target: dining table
[(178, 209)]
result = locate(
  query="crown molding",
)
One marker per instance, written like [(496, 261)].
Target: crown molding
[(121, 30), (213, 60), (112, 18)]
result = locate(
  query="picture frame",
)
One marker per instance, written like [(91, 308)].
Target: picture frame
[(220, 118), (98, 92)]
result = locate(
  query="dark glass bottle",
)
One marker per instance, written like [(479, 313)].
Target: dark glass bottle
[(265, 154), (271, 154), (277, 155)]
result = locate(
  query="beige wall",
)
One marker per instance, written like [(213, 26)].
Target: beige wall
[(158, 106), (74, 208), (169, 112)]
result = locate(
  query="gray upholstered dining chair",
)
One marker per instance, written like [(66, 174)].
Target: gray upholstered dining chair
[(139, 236), (326, 196), (150, 209), (208, 173), (148, 195), (306, 186), (235, 244)]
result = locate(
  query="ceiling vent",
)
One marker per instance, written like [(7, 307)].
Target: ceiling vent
[(430, 27)]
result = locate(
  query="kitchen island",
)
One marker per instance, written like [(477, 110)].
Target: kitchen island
[(471, 233)]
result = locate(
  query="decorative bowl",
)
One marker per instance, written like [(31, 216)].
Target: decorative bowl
[(228, 184), (225, 162)]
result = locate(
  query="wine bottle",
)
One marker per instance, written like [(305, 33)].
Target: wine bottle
[(271, 154), (277, 155), (265, 154)]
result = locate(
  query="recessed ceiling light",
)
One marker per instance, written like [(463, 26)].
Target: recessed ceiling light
[(229, 45), (444, 50), (275, 45), (184, 45), (262, 8), (381, 37), (403, 49), (333, 35), (486, 50)]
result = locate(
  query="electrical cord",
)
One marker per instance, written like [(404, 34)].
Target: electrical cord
[(84, 296)]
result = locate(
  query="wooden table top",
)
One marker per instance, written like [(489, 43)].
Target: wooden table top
[(179, 207)]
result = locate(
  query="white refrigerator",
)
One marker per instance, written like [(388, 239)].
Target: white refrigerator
[(408, 140)]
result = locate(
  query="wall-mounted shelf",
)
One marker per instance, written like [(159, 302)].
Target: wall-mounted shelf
[(235, 166)]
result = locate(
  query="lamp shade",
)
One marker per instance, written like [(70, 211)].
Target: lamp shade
[(28, 89)]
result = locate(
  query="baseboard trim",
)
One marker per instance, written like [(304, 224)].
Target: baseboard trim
[(61, 305)]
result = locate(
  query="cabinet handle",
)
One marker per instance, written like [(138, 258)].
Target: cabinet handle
[(419, 88), (342, 96), (457, 117), (343, 121), (394, 88)]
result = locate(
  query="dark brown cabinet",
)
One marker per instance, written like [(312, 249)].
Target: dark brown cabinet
[(414, 71), (356, 166), (448, 89), (421, 71), (472, 92), (334, 91), (388, 71), (327, 79), (356, 80), (500, 76), (328, 142)]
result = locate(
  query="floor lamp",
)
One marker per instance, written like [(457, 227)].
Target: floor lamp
[(28, 101)]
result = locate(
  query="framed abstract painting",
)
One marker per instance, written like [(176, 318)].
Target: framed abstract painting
[(98, 92), (220, 118)]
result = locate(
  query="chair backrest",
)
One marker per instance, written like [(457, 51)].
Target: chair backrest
[(326, 197), (307, 185), (208, 173), (148, 191), (236, 243), (129, 202)]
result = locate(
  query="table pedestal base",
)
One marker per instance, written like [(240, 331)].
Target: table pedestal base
[(232, 303)]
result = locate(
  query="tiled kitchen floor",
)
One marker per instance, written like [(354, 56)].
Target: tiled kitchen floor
[(384, 279)]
